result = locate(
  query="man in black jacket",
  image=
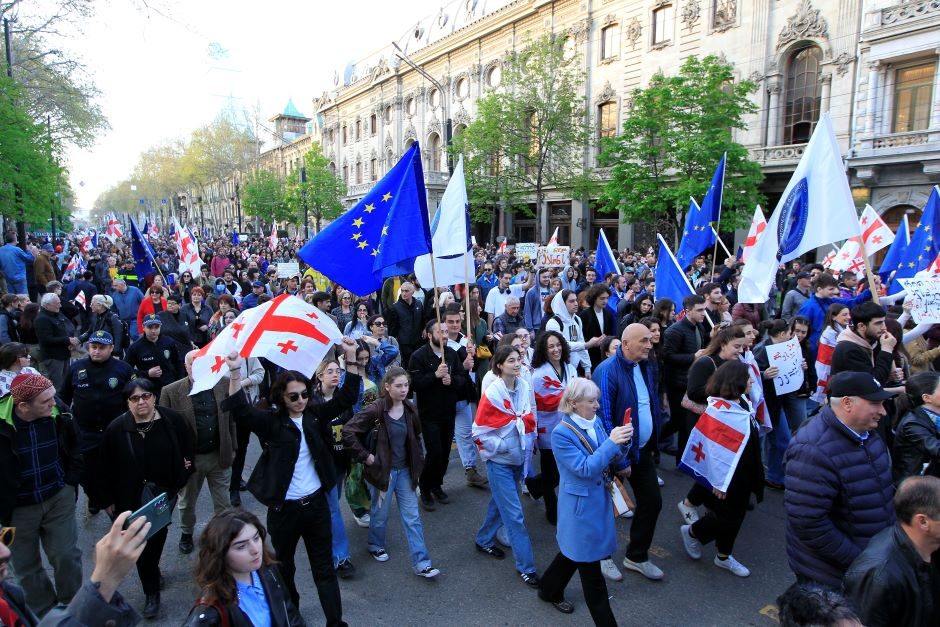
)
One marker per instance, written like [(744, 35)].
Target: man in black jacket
[(894, 581), (597, 298), (153, 356), (40, 466), (438, 386), (867, 346), (405, 320), (683, 342), (55, 342)]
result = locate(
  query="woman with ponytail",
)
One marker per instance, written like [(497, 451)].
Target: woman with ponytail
[(916, 448)]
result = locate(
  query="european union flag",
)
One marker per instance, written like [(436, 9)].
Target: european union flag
[(381, 235), (902, 239), (144, 263), (711, 204), (697, 235), (671, 281), (604, 262), (924, 246), (235, 240)]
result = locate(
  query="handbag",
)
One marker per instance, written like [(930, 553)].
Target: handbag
[(483, 352), (619, 497)]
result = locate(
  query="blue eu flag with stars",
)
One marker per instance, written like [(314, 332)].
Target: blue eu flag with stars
[(380, 236), (924, 246)]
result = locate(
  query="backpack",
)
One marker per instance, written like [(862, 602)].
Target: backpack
[(545, 319)]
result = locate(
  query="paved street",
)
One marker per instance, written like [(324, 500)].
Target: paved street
[(476, 590)]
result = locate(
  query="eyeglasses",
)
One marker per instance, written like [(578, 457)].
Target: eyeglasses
[(143, 396), (7, 534), (293, 397)]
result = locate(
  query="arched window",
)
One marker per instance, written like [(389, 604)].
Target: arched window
[(803, 95), (434, 145)]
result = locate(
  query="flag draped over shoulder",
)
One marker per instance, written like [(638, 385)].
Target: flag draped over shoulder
[(496, 418), (380, 236), (548, 389), (816, 209), (450, 239), (716, 444), (286, 331), (671, 281)]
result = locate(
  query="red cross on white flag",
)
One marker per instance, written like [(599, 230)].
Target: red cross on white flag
[(758, 225), (80, 299), (113, 231), (850, 251), (186, 249), (875, 233), (287, 331), (272, 241)]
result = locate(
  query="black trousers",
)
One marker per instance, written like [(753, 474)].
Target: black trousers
[(311, 522), (723, 521), (549, 482), (559, 573), (438, 436), (148, 564), (649, 502), (242, 436)]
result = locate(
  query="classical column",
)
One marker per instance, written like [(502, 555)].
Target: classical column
[(935, 110), (873, 73), (774, 115), (826, 80)]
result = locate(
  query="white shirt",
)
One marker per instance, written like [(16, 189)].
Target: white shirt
[(496, 302), (305, 480)]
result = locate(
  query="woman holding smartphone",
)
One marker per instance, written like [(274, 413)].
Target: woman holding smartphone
[(238, 577)]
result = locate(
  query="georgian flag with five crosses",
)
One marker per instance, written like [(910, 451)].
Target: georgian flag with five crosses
[(287, 331), (716, 443), (875, 233)]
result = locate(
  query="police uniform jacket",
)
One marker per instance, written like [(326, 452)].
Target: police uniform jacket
[(144, 355)]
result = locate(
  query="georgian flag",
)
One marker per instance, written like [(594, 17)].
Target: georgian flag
[(76, 266), (827, 346), (875, 233), (829, 258), (88, 243), (496, 418), (758, 226), (850, 257), (553, 240), (756, 393), (286, 330), (187, 249), (113, 231), (80, 299), (716, 444), (548, 391), (272, 241)]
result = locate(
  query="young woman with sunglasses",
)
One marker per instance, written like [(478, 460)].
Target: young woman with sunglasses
[(295, 472)]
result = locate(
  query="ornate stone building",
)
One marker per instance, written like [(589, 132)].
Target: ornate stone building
[(871, 64)]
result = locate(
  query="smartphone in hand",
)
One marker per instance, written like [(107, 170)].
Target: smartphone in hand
[(157, 512)]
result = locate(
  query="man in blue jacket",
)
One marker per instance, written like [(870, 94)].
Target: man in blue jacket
[(13, 262), (627, 382), (838, 479)]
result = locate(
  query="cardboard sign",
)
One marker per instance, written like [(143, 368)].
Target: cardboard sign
[(288, 269), (925, 294), (554, 257), (526, 252), (788, 358)]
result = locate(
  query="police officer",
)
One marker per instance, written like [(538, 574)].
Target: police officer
[(153, 356), (94, 390), (128, 274)]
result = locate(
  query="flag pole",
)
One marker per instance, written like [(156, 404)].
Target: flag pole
[(869, 273), (718, 240), (466, 296), (437, 310)]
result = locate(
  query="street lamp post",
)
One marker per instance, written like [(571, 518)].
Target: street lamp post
[(238, 207), (448, 123), (303, 200)]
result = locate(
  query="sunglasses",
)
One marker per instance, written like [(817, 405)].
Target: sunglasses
[(293, 397), (7, 534), (145, 396), (378, 323)]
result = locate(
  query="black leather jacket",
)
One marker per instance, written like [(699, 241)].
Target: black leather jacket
[(892, 585), (283, 612), (281, 440), (916, 442)]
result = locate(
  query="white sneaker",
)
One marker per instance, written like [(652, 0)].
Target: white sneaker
[(689, 514), (502, 536), (648, 569), (660, 481), (428, 573), (733, 565), (610, 570), (627, 514), (692, 546), (363, 521)]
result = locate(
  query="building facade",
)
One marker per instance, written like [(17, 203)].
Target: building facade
[(872, 65)]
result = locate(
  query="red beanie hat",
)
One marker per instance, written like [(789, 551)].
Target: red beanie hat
[(26, 387)]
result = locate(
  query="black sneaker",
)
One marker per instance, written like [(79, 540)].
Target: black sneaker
[(151, 606), (493, 551), (427, 501), (380, 555), (186, 543), (530, 579), (345, 569), (440, 495)]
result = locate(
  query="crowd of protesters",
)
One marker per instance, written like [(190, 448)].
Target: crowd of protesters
[(528, 370)]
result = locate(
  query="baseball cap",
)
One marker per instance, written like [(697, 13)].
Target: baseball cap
[(101, 337), (152, 319), (859, 384), (48, 248), (257, 284), (803, 275)]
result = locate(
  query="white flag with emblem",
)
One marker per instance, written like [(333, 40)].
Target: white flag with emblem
[(286, 331)]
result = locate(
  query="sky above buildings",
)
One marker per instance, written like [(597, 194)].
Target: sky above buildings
[(166, 67)]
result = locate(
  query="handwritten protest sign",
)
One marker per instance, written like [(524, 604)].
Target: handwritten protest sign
[(288, 269), (526, 252), (925, 295), (788, 358), (554, 257)]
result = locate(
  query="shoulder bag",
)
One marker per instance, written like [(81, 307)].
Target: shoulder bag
[(618, 494)]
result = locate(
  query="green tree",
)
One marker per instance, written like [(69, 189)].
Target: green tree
[(321, 194), (533, 132), (215, 152), (263, 195), (673, 136)]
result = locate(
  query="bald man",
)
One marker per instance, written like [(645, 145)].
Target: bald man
[(628, 383)]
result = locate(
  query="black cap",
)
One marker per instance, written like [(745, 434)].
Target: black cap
[(859, 384), (803, 275)]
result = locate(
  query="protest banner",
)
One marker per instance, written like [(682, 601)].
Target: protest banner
[(554, 257), (925, 295), (788, 358), (288, 269), (526, 252)]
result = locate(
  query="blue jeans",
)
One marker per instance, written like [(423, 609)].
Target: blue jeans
[(505, 509), (399, 484), (462, 426), (337, 526)]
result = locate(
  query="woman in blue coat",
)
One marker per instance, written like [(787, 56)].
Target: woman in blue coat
[(586, 532)]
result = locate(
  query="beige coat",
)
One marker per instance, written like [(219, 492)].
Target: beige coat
[(176, 397)]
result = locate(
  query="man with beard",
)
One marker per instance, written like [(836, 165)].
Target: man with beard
[(866, 346)]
